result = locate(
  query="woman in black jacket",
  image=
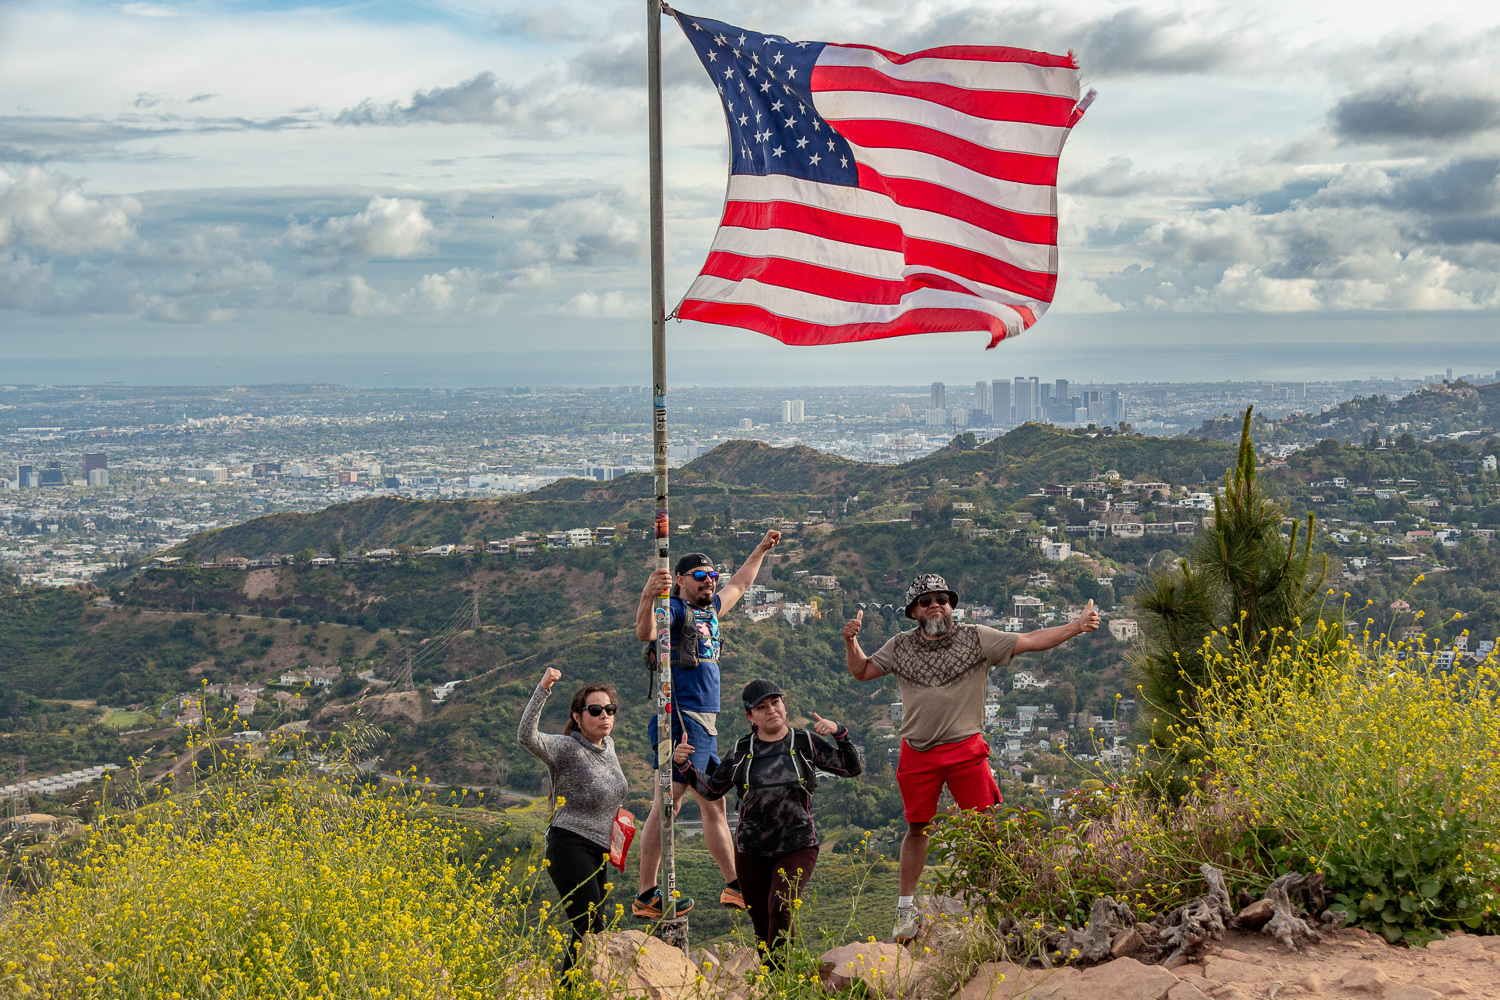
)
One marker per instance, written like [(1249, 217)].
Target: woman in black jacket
[(774, 770)]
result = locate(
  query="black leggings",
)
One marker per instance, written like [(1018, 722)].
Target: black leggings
[(577, 867), (769, 884)]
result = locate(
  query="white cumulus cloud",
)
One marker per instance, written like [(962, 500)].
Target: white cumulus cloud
[(610, 305), (388, 227), (45, 211)]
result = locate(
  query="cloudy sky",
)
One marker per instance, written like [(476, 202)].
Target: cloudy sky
[(219, 177)]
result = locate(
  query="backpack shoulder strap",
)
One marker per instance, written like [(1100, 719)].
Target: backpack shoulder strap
[(742, 769), (684, 652), (806, 762)]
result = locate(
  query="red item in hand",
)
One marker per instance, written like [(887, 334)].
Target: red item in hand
[(619, 840)]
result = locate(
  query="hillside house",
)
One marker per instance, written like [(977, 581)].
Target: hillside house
[(1026, 605), (316, 676), (286, 701), (1124, 629), (1057, 551), (796, 614)]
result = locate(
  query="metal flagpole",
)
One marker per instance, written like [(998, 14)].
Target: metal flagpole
[(673, 928)]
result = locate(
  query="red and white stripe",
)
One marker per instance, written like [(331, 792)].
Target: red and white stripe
[(953, 226)]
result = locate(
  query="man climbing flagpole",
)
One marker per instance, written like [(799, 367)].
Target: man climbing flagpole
[(871, 194)]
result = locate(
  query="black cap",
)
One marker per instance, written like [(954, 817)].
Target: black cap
[(758, 691), (692, 561)]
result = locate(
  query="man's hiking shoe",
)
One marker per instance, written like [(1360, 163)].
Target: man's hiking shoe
[(647, 906), (908, 924), (731, 898)]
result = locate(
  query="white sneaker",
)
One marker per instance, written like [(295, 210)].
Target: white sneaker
[(908, 924)]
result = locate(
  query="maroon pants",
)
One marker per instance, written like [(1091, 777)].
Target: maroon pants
[(769, 884)]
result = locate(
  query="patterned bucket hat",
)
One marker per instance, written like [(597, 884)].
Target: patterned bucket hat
[(928, 583)]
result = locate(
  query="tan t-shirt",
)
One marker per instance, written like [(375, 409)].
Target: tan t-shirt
[(942, 682)]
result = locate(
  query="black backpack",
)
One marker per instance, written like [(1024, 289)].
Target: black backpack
[(802, 762), (684, 654)]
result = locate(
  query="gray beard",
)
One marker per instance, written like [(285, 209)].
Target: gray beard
[(935, 627)]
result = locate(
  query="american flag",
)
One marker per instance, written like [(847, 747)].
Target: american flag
[(873, 194)]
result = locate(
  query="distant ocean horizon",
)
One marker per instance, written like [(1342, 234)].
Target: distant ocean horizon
[(906, 361)]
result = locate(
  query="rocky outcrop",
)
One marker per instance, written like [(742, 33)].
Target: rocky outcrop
[(724, 969), (887, 970), (1345, 964), (631, 963), (1246, 964)]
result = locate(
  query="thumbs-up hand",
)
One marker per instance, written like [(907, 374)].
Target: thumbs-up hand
[(853, 625), (825, 727), (682, 751), (1088, 618)]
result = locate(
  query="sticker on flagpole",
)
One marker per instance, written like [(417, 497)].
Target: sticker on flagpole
[(663, 523)]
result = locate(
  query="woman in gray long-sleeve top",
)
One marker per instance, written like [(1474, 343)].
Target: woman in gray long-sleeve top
[(587, 780)]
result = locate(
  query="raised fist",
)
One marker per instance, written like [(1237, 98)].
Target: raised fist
[(550, 677)]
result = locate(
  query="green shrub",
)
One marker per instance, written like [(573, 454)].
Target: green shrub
[(1117, 842)]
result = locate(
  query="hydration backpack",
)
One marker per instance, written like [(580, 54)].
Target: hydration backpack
[(684, 654), (802, 762)]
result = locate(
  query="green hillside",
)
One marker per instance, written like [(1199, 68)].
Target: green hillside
[(738, 480), (1442, 408)]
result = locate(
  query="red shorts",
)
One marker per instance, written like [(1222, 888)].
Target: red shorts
[(963, 766)]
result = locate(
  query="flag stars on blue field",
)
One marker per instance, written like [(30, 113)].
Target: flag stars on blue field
[(787, 141)]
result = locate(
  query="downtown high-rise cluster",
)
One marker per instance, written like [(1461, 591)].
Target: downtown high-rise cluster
[(1004, 404)]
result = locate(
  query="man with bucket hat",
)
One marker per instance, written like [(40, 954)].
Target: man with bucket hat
[(941, 668)]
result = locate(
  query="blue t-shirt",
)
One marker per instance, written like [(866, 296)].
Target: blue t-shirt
[(696, 689)]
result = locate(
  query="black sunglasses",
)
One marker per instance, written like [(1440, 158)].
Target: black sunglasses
[(926, 600), (704, 574), (598, 710)]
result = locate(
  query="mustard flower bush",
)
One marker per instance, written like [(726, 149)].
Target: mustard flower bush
[(301, 885), (1378, 763)]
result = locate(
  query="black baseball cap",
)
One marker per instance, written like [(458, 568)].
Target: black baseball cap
[(758, 691), (692, 561)]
